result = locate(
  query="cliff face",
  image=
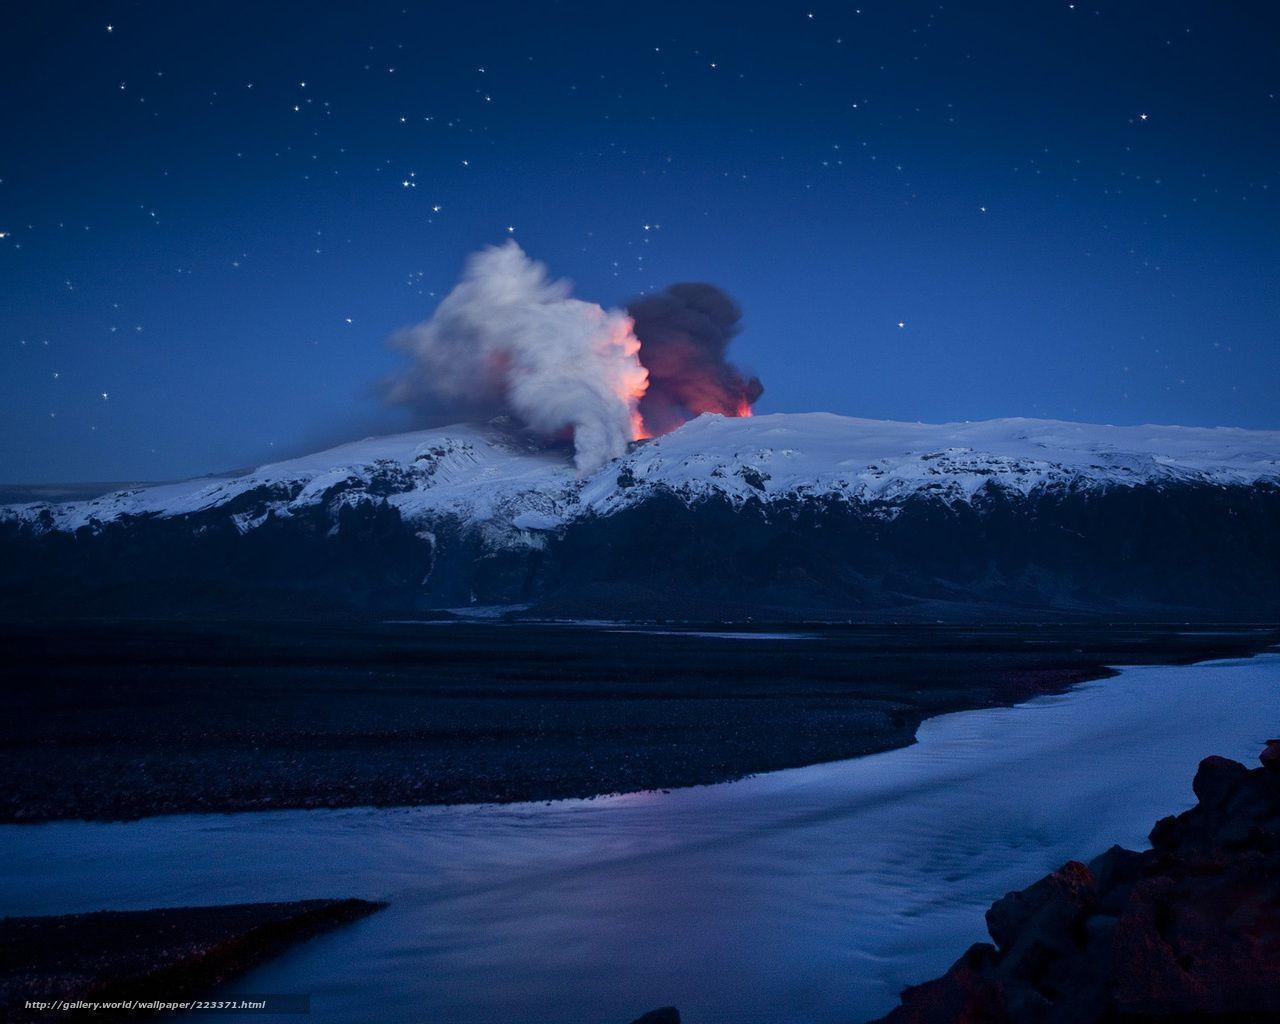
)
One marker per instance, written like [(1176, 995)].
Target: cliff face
[(1145, 553), (1189, 929), (781, 517)]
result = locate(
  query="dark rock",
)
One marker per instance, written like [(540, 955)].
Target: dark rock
[(1052, 908), (1216, 779), (1270, 756), (1114, 873), (965, 994), (1189, 929), (665, 1015)]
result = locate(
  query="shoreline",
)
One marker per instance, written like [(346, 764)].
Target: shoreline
[(899, 853), (584, 718), (1183, 929)]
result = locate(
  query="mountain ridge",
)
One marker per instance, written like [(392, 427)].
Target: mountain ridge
[(789, 513), (715, 455)]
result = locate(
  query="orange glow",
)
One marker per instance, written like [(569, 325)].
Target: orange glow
[(639, 432), (696, 396), (631, 385)]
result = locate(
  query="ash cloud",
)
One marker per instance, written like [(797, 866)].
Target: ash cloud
[(684, 333), (509, 338)]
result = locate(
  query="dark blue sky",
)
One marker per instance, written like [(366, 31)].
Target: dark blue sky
[(215, 214)]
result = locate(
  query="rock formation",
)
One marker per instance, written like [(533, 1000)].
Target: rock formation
[(1189, 929)]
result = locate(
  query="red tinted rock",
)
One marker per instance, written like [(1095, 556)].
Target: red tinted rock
[(964, 995), (1205, 942), (1188, 930), (1047, 912), (1147, 972)]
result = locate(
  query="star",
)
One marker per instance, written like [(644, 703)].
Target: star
[(1142, 117), (902, 323), (105, 396)]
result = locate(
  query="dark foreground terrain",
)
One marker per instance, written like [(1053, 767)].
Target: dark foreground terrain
[(146, 956), (1188, 930), (123, 720)]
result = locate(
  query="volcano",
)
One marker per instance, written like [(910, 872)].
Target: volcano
[(771, 517)]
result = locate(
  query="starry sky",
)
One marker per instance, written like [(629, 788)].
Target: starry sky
[(213, 215)]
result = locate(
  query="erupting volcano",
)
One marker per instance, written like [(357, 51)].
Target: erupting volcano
[(510, 339), (684, 334)]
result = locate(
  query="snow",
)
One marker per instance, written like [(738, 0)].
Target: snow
[(515, 492)]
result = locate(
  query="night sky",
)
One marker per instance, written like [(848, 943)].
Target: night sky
[(214, 215)]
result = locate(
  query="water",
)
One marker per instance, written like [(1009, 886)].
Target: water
[(806, 895)]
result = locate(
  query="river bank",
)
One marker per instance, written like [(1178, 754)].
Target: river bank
[(1185, 930), (123, 720), (796, 897)]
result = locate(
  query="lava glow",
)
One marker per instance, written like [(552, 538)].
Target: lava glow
[(638, 430), (688, 387), (641, 432)]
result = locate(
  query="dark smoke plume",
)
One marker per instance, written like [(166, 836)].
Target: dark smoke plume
[(684, 333)]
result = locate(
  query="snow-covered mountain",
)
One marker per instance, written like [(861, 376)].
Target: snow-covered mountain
[(486, 514), (489, 478)]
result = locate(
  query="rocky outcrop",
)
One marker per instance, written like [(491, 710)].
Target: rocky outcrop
[(1189, 929)]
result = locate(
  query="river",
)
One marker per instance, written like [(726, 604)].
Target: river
[(811, 895)]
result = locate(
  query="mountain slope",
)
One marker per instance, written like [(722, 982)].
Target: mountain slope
[(778, 515)]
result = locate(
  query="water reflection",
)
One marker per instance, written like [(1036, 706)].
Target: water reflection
[(806, 895)]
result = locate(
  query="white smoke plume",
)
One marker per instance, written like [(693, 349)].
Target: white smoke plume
[(510, 338)]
